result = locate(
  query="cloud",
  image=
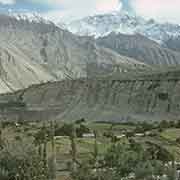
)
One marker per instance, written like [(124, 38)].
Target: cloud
[(54, 3), (108, 4), (70, 10), (161, 10), (7, 2)]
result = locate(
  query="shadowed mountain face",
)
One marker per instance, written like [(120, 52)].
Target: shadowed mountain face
[(173, 43), (37, 51), (140, 48)]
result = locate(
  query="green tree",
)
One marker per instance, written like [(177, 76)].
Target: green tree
[(123, 160), (53, 158), (65, 130), (20, 160), (164, 124)]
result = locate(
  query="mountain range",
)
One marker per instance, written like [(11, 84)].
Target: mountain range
[(121, 73), (38, 51), (43, 51), (125, 23), (147, 41)]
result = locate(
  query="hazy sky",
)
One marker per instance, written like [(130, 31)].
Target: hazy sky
[(161, 10)]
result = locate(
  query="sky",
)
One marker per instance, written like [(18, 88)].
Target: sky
[(67, 10)]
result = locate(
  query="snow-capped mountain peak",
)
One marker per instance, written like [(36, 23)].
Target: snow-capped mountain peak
[(28, 16), (125, 23)]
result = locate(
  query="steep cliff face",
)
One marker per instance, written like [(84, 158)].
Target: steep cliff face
[(154, 97)]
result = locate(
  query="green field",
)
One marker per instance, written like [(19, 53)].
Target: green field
[(85, 146), (171, 134)]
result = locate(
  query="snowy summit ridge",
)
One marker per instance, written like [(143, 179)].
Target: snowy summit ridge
[(125, 23)]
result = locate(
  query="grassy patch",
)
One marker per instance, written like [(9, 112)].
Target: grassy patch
[(171, 134)]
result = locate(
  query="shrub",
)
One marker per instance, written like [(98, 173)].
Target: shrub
[(17, 138), (5, 124), (163, 96), (178, 124), (82, 130), (164, 124), (129, 134), (139, 129), (80, 121), (172, 124), (41, 135), (178, 140), (65, 130), (147, 126), (108, 134)]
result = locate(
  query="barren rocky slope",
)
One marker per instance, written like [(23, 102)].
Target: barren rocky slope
[(43, 52), (18, 71), (154, 96), (141, 48)]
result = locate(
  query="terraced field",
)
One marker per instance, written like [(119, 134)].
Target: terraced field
[(85, 146)]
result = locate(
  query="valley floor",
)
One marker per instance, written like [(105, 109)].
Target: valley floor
[(167, 138)]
